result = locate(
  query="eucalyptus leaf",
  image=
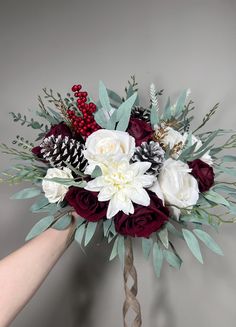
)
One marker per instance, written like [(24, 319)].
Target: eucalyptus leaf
[(215, 198), (179, 107), (157, 259), (229, 158), (114, 251), (171, 228), (104, 97), (79, 234), (208, 241), (121, 249), (100, 118), (193, 244), (147, 244), (41, 203), (172, 259), (90, 231), (63, 222), (163, 236), (96, 172), (26, 193), (40, 227), (106, 226), (123, 113)]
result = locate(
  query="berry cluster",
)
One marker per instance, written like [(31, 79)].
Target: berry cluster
[(86, 124)]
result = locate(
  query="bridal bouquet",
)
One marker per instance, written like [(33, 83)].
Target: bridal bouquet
[(136, 171)]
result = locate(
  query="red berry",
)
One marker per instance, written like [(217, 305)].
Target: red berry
[(74, 88)]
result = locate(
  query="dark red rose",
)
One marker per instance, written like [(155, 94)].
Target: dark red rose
[(140, 130), (86, 204), (203, 173), (144, 221), (59, 129), (56, 130)]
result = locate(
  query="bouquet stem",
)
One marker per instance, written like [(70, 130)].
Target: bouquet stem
[(131, 303)]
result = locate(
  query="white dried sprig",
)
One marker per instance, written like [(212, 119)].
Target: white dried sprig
[(153, 96)]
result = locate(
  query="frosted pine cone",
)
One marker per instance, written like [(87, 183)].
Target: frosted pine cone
[(151, 152), (58, 151), (141, 113)]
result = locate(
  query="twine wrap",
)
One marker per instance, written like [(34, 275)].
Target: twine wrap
[(131, 303)]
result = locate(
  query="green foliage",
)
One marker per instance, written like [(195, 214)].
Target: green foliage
[(114, 251), (207, 117), (147, 244), (163, 236), (79, 234), (208, 241), (157, 258), (63, 222), (90, 231), (40, 227), (123, 113), (121, 249), (26, 193), (19, 154), (19, 173), (192, 243), (28, 122), (172, 259)]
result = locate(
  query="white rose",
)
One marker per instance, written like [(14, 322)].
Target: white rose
[(55, 192), (180, 189), (104, 146), (171, 138)]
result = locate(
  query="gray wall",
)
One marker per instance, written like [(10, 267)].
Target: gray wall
[(176, 44)]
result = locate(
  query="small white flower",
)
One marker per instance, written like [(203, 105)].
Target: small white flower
[(122, 184), (172, 138), (104, 146), (55, 192), (180, 189)]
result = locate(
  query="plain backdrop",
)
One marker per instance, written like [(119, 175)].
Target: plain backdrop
[(175, 44)]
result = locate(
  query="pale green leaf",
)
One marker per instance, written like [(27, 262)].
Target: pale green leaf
[(79, 234), (114, 251), (157, 259), (172, 259), (40, 227), (121, 249), (216, 198), (208, 241), (123, 113), (90, 231), (193, 244), (63, 222), (26, 193), (147, 246), (163, 236), (103, 97)]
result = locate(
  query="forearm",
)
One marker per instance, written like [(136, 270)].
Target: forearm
[(23, 271)]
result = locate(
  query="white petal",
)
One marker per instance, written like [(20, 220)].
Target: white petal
[(145, 180), (157, 190), (140, 196), (95, 185), (106, 193), (140, 168)]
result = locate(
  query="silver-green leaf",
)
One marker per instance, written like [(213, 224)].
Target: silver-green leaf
[(193, 244)]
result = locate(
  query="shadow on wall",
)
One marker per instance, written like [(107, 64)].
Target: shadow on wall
[(90, 269)]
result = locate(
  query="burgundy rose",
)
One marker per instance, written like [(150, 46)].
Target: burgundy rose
[(86, 204), (60, 129), (203, 173), (56, 130), (140, 130), (144, 221)]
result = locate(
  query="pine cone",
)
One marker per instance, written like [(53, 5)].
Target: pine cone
[(151, 152), (141, 113), (58, 151)]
